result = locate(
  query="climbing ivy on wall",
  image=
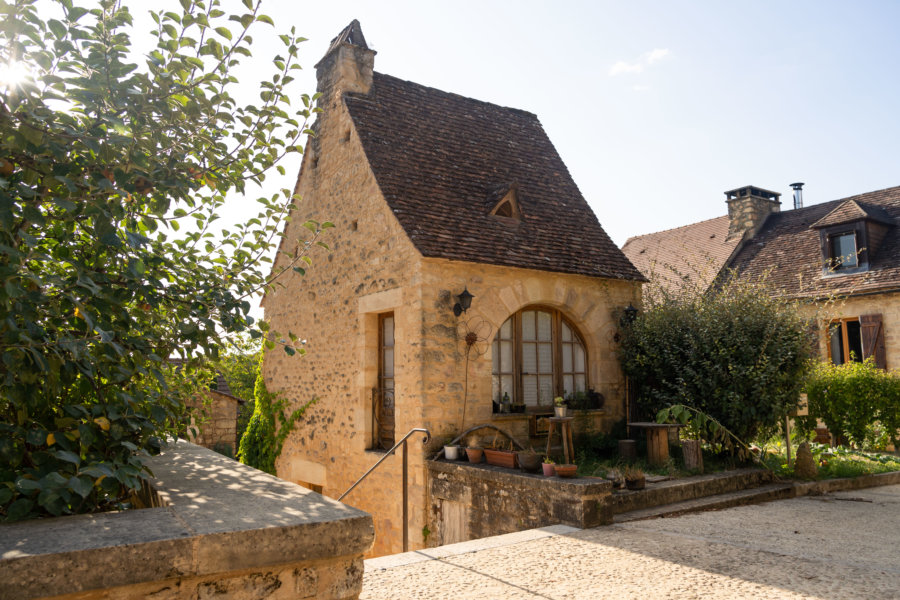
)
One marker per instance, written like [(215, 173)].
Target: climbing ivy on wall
[(269, 427)]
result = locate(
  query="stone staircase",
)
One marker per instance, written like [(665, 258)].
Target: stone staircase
[(706, 492)]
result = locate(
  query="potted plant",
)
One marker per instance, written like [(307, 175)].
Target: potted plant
[(566, 470), (634, 478), (529, 460), (548, 467), (496, 455), (473, 453), (451, 450), (559, 406)]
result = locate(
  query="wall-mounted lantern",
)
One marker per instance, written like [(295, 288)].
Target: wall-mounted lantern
[(465, 301), (630, 313)]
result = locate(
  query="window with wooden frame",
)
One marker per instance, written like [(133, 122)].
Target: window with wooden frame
[(383, 396), (856, 339), (538, 355)]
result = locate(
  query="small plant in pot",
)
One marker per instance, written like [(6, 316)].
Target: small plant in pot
[(560, 407), (529, 460), (451, 450), (548, 467), (634, 478), (499, 456)]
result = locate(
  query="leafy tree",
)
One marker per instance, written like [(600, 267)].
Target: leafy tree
[(735, 353), (857, 401), (102, 160)]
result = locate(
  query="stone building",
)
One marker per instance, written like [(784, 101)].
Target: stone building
[(433, 195), (215, 419), (840, 259)]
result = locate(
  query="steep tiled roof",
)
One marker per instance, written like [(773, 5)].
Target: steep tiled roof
[(441, 160), (788, 248), (695, 252)]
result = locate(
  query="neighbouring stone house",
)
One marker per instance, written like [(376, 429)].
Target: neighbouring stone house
[(216, 416), (434, 194), (841, 259)]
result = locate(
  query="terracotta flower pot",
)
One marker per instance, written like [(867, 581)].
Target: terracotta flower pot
[(548, 469), (529, 462), (566, 470), (500, 458), (474, 454)]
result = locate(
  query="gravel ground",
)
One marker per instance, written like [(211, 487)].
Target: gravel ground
[(842, 546)]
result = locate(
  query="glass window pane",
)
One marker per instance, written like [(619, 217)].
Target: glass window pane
[(506, 329), (545, 392), (837, 345), (843, 250), (530, 389), (568, 384), (528, 326), (579, 383), (544, 326), (567, 358), (495, 388), (506, 360), (529, 359), (388, 362), (566, 333), (388, 331), (495, 356), (506, 386), (545, 358), (579, 358)]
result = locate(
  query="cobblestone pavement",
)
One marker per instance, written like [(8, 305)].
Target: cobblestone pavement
[(842, 545)]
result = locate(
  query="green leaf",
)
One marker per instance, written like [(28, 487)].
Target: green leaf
[(19, 509)]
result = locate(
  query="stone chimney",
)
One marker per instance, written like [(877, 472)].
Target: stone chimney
[(347, 65), (748, 208)]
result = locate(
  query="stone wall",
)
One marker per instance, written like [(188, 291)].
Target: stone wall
[(474, 501), (216, 426), (215, 529)]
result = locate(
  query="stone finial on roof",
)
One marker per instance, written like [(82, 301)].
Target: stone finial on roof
[(348, 64), (352, 34)]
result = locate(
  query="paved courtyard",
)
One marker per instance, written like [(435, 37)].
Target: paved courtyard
[(842, 545)]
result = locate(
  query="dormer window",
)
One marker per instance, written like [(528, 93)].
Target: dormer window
[(843, 251), (850, 236)]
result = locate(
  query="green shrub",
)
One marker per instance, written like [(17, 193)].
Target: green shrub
[(735, 352), (857, 401), (268, 428)]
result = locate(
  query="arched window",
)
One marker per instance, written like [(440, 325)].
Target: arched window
[(538, 355)]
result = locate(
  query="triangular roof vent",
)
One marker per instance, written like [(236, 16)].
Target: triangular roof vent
[(505, 200)]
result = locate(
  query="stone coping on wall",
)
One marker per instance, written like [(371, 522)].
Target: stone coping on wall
[(212, 515), (575, 486)]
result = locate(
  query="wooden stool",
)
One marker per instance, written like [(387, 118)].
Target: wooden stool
[(565, 432)]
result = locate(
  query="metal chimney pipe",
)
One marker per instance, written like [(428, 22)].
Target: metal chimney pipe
[(798, 195)]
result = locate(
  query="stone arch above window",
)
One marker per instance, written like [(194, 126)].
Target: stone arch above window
[(538, 354)]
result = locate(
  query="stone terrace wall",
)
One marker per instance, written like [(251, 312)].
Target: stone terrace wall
[(218, 529), (475, 501)]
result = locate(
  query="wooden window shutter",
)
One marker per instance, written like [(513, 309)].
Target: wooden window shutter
[(873, 339)]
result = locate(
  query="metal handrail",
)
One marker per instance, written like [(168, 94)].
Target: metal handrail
[(405, 476)]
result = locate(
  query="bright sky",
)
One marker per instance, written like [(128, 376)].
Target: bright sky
[(657, 108)]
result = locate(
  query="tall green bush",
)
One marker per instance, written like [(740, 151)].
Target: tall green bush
[(734, 352), (857, 401), (268, 428)]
